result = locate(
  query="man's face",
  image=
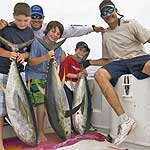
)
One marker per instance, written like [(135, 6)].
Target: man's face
[(36, 21), (109, 15), (22, 21), (53, 34)]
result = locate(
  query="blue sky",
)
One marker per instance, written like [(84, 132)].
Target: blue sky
[(82, 12)]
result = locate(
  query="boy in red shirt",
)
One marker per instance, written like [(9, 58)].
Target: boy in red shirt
[(70, 69)]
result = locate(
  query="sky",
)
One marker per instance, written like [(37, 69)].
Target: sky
[(82, 12)]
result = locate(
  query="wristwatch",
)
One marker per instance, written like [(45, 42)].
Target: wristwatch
[(93, 26)]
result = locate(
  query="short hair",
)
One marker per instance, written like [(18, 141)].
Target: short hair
[(22, 9), (81, 45), (54, 24)]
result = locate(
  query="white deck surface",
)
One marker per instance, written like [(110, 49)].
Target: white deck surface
[(91, 145)]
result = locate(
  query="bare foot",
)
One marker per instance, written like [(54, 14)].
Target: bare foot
[(2, 148), (41, 137)]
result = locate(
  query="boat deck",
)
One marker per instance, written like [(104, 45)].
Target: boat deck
[(92, 141), (53, 142)]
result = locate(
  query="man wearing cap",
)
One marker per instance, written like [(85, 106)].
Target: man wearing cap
[(122, 43), (37, 17)]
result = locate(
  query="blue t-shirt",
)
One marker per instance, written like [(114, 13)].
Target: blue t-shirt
[(16, 36), (39, 71)]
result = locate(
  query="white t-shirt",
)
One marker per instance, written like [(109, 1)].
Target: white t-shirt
[(125, 41), (69, 30), (40, 32)]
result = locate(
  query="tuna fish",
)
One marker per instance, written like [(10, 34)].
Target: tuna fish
[(18, 103), (82, 117), (82, 97), (55, 98)]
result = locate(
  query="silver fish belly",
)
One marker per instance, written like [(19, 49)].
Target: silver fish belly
[(81, 118), (19, 110), (56, 103)]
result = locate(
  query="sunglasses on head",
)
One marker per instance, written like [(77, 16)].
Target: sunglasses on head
[(36, 16), (105, 12)]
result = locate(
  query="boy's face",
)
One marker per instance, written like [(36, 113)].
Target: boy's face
[(53, 34), (81, 52), (22, 21)]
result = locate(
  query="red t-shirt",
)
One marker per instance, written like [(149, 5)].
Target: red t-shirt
[(69, 65)]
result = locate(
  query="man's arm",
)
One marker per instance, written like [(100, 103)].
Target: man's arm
[(100, 62), (3, 24), (95, 62), (69, 30), (79, 30)]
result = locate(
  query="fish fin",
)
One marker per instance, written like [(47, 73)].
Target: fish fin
[(1, 87), (15, 46), (69, 113), (45, 44), (22, 45), (7, 119), (29, 84), (6, 42), (53, 46), (63, 79), (40, 88), (76, 59)]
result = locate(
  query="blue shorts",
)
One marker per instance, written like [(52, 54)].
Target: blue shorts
[(128, 66)]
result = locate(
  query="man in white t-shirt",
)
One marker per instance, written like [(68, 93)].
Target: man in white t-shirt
[(122, 43), (38, 26)]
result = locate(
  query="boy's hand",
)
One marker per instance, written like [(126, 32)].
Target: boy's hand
[(21, 58), (82, 73)]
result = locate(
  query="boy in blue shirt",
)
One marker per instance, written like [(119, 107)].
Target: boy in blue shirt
[(37, 67)]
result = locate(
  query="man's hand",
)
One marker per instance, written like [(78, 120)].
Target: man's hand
[(85, 63), (3, 24), (98, 29)]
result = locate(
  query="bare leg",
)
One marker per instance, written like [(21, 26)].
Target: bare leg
[(128, 124), (40, 123), (146, 68), (1, 133), (103, 79)]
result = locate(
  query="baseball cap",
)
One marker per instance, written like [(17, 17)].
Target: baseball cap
[(37, 9), (82, 44), (106, 3)]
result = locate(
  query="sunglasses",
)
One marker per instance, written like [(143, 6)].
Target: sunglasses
[(110, 11), (36, 17)]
